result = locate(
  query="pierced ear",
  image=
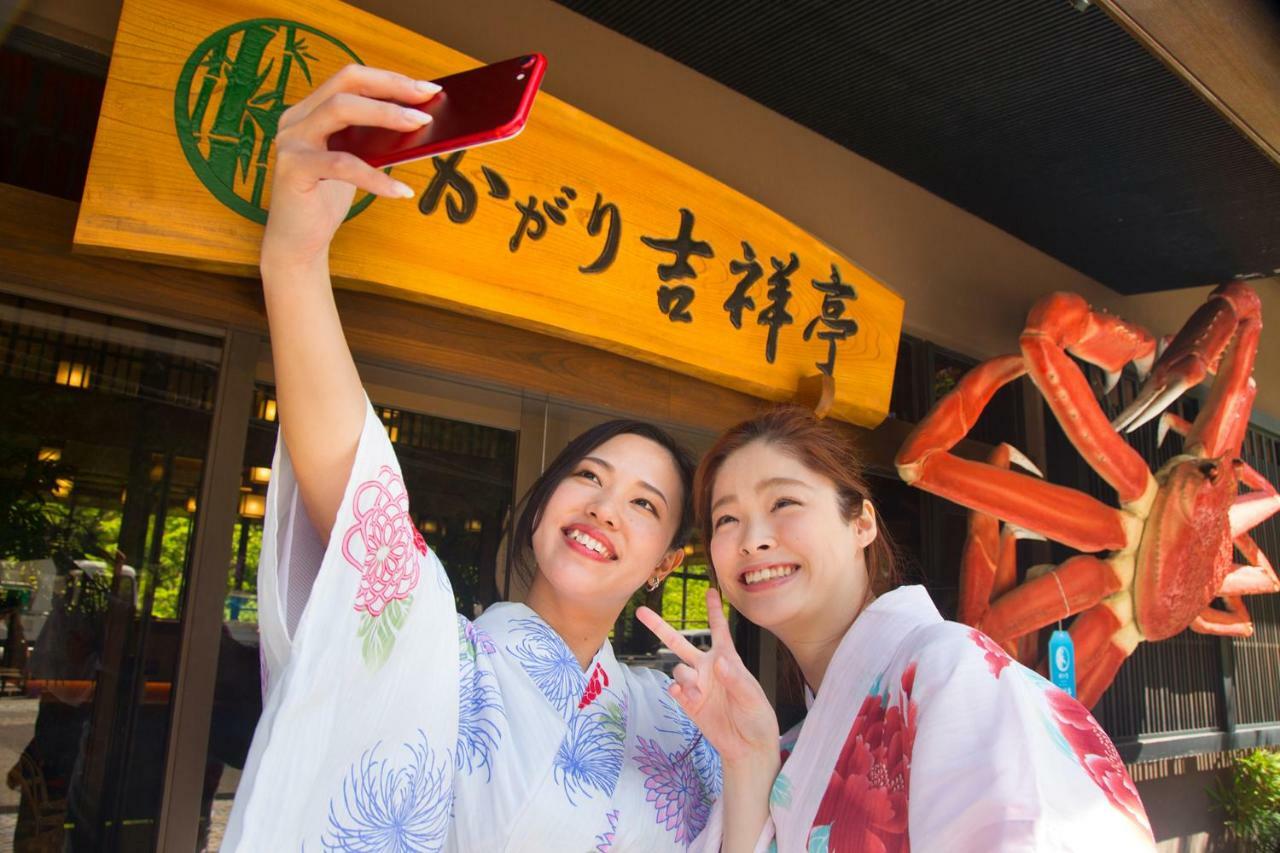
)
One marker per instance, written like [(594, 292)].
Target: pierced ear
[(669, 563), (865, 527)]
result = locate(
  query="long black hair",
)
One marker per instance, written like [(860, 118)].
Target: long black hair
[(528, 512)]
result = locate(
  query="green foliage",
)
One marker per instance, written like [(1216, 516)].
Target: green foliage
[(1250, 801), (29, 514), (689, 593)]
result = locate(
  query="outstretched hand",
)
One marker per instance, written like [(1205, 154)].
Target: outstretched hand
[(717, 691), (313, 187)]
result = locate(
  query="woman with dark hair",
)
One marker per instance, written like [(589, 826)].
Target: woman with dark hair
[(920, 732), (390, 721)]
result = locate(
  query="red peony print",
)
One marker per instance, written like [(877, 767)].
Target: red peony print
[(996, 657), (381, 543), (1097, 754), (866, 800)]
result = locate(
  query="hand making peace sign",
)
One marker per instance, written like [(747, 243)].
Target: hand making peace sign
[(717, 691)]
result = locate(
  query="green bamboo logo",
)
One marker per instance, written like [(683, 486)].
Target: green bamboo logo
[(232, 91)]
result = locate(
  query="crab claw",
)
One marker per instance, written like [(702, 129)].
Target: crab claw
[(1023, 533), (1193, 353), (1154, 398), (1143, 363), (1113, 378), (1017, 457)]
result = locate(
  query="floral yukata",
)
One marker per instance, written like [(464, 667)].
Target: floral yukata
[(392, 723), (926, 734)]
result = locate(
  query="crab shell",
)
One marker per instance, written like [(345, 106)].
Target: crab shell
[(1186, 550)]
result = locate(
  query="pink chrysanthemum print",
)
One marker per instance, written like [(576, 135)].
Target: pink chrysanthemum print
[(673, 786), (382, 544), (996, 657), (604, 841), (385, 547)]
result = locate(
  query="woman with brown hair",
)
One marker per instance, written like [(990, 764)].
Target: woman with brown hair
[(919, 731)]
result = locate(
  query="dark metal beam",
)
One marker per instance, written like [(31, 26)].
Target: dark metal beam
[(1152, 748)]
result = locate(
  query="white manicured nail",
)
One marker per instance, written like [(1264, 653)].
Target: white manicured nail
[(426, 87), (401, 190), (416, 116)]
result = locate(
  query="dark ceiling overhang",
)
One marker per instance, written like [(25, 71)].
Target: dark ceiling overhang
[(1052, 124)]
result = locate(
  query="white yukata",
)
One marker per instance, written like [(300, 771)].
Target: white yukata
[(926, 734), (392, 723)]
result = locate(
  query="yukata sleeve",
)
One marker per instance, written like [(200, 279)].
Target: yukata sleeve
[(1002, 760), (360, 643), (374, 547)]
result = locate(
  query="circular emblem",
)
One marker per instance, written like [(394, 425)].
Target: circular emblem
[(1060, 660), (231, 94)]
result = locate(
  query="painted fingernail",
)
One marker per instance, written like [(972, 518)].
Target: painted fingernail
[(417, 116), (402, 190), (426, 87)]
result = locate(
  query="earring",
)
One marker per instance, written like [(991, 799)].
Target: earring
[(652, 583)]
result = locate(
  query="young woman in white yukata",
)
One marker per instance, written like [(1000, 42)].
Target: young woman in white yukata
[(920, 732), (392, 723)]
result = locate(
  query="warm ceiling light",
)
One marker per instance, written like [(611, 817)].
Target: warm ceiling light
[(429, 526), (191, 505), (269, 410), (260, 475), (62, 487), (688, 550), (253, 506), (72, 374), (49, 454), (473, 526), (393, 433)]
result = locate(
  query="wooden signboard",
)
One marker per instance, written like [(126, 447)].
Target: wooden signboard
[(573, 228)]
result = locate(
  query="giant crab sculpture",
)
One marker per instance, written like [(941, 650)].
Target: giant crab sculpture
[(1152, 566)]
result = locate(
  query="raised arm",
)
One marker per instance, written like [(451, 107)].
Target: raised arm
[(321, 400)]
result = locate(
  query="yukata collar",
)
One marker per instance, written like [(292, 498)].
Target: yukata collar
[(548, 661), (882, 625)]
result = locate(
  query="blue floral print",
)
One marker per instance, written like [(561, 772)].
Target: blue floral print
[(393, 808), (549, 662)]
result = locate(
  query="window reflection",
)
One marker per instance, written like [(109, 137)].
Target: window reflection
[(103, 433)]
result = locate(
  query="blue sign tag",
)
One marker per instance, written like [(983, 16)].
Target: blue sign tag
[(1062, 661)]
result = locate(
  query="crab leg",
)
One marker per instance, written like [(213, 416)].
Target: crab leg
[(1235, 623), (1221, 424), (1252, 508), (1257, 577), (1076, 585), (1061, 323), (1062, 514), (1101, 648), (1194, 353), (989, 564)]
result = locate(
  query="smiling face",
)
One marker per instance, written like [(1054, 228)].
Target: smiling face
[(784, 555), (608, 526)]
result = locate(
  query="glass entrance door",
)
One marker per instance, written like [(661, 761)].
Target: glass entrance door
[(104, 432)]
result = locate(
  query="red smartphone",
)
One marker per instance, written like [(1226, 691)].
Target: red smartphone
[(476, 107)]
